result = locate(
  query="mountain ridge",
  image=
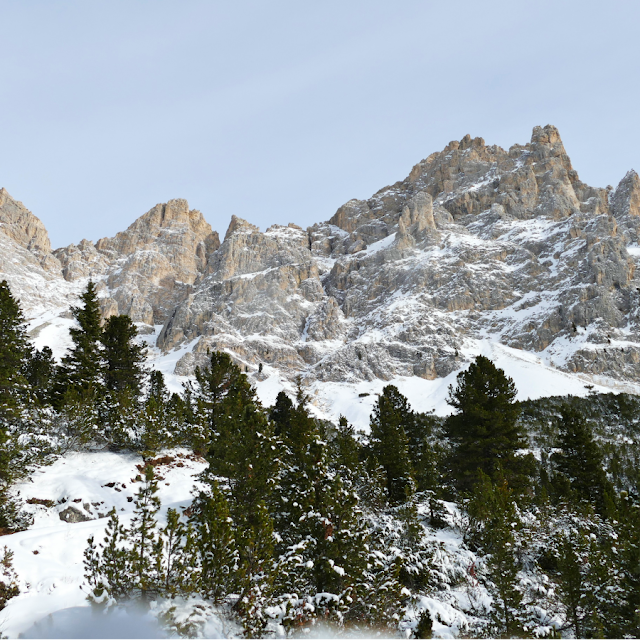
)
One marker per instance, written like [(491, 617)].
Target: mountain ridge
[(477, 243)]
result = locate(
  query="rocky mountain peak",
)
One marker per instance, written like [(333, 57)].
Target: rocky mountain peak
[(19, 224), (547, 135), (625, 200), (238, 225)]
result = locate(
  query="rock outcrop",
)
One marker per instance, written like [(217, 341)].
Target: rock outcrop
[(151, 267), (19, 224)]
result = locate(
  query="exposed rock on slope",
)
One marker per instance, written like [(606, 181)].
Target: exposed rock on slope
[(149, 268), (476, 243), (19, 224)]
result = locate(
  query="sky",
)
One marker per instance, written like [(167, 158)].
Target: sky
[(282, 111)]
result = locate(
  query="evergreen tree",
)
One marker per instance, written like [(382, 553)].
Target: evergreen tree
[(280, 414), (219, 389), (107, 565), (322, 535), (159, 426), (241, 449), (424, 452), (390, 444), (40, 374), (347, 446), (579, 459), (8, 579), (590, 584), (15, 352), (176, 559), (122, 356), (215, 543), (82, 367), (144, 536), (484, 432), (79, 420), (624, 617)]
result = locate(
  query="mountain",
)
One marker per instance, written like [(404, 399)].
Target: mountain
[(478, 248)]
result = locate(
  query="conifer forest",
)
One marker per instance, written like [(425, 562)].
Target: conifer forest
[(298, 524)]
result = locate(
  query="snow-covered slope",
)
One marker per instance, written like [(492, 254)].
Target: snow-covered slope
[(49, 555)]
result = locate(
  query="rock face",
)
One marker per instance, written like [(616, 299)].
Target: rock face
[(476, 243), (19, 224), (151, 267)]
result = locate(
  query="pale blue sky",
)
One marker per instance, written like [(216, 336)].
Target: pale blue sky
[(281, 111)]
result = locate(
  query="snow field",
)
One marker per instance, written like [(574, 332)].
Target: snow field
[(49, 555)]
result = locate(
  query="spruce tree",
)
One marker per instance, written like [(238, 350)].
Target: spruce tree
[(484, 432), (390, 444)]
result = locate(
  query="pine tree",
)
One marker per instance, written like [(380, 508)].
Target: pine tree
[(280, 413), (176, 558), (241, 449), (8, 579), (15, 353), (219, 389), (623, 618), (107, 565), (347, 447), (82, 367), (590, 584), (143, 535), (159, 427), (579, 459), (321, 531), (493, 523), (424, 452), (41, 373), (215, 543), (122, 356), (390, 444), (484, 432)]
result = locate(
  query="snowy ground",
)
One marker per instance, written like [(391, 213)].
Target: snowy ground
[(532, 374), (48, 556)]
